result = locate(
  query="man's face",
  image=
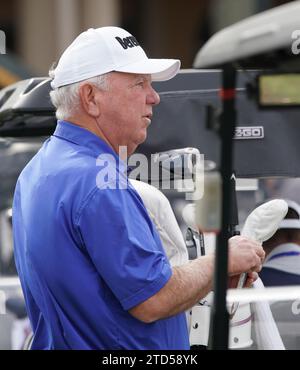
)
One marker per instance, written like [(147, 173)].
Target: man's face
[(126, 109)]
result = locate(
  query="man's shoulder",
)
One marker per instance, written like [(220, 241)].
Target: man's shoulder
[(274, 277), (116, 197), (69, 172)]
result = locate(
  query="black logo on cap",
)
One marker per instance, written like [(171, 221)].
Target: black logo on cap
[(127, 42)]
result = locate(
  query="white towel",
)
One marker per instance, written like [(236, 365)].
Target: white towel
[(162, 215), (266, 331), (260, 225)]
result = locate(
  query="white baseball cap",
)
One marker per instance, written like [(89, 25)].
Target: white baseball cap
[(106, 49), (291, 223)]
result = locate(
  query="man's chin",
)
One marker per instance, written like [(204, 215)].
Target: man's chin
[(137, 144), (142, 137)]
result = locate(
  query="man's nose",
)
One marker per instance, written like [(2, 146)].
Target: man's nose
[(153, 97)]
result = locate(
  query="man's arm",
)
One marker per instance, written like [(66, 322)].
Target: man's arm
[(187, 285), (193, 281)]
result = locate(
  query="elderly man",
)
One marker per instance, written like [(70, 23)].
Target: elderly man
[(91, 263)]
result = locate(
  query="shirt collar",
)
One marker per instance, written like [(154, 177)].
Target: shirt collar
[(290, 247), (81, 136)]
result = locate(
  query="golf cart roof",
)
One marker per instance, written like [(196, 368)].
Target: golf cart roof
[(259, 34), (26, 109)]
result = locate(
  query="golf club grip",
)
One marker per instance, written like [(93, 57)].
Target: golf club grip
[(242, 280)]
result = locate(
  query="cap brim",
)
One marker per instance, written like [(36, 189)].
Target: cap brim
[(159, 69)]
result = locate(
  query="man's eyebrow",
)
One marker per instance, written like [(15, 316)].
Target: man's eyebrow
[(143, 77), (139, 78)]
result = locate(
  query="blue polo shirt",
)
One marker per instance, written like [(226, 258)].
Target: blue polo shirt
[(86, 250)]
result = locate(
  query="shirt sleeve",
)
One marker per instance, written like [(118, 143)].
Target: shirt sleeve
[(123, 244)]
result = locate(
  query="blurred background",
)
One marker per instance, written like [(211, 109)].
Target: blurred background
[(37, 31)]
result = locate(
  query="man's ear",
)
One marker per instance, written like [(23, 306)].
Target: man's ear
[(89, 97)]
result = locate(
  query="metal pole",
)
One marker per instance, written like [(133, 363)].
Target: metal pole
[(220, 317)]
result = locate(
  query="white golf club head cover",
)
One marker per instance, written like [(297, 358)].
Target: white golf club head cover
[(263, 222)]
